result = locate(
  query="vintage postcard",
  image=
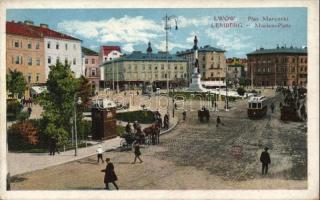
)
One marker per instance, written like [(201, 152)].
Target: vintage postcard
[(159, 100)]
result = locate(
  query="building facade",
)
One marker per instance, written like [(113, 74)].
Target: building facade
[(140, 68), (236, 69), (281, 66), (92, 69), (25, 53), (107, 53), (212, 62)]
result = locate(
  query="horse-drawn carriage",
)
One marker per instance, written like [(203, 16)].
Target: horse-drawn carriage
[(204, 114)]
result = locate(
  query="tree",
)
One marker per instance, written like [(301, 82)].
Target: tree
[(21, 134), (16, 83), (58, 101), (241, 91)]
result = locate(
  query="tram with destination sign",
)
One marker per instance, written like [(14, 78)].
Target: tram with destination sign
[(257, 107)]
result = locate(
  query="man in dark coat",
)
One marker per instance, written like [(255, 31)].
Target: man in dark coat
[(184, 115), (218, 121), (110, 176), (265, 160)]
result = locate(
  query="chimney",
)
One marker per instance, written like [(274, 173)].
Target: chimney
[(28, 22), (44, 25)]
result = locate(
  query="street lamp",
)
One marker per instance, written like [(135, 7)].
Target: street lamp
[(167, 27), (76, 102)]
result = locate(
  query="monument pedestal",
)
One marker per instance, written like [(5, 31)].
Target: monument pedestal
[(196, 85)]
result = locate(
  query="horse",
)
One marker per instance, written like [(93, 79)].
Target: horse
[(153, 133)]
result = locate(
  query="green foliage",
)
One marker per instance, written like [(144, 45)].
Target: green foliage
[(241, 91), (120, 130), (144, 117), (84, 129), (16, 83), (22, 116), (58, 133), (13, 109)]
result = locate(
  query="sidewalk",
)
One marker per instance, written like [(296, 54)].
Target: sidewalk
[(19, 163)]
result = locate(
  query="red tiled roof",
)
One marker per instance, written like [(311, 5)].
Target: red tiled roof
[(34, 31), (54, 34), (108, 49), (21, 29)]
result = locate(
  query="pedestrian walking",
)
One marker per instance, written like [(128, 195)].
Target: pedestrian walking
[(29, 110), (110, 176), (218, 121), (215, 106), (99, 153), (272, 107), (265, 160), (128, 128), (137, 152), (184, 115)]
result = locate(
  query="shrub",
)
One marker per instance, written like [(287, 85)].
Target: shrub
[(144, 117), (120, 130), (23, 116), (241, 91), (13, 109), (22, 135)]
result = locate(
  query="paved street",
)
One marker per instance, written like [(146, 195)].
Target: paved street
[(197, 155)]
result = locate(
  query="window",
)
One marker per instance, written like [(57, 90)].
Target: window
[(49, 59), (203, 66), (93, 72), (149, 67), (168, 66), (156, 67), (38, 61), (218, 64), (57, 45), (254, 105), (37, 45), (74, 61), (181, 67), (175, 67), (211, 66), (135, 67), (17, 60), (293, 69), (48, 45), (211, 74), (143, 67), (30, 61), (29, 45), (162, 66), (74, 46), (66, 46), (259, 104), (37, 77), (29, 78), (86, 61), (16, 44), (93, 61), (211, 57)]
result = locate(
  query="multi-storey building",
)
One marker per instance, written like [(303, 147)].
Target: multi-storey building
[(236, 69), (25, 52), (107, 53), (140, 68), (280, 66), (92, 69), (212, 62), (60, 47), (54, 46)]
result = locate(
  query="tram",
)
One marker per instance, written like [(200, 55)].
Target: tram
[(257, 107)]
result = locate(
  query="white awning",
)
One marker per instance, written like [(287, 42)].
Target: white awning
[(38, 89)]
